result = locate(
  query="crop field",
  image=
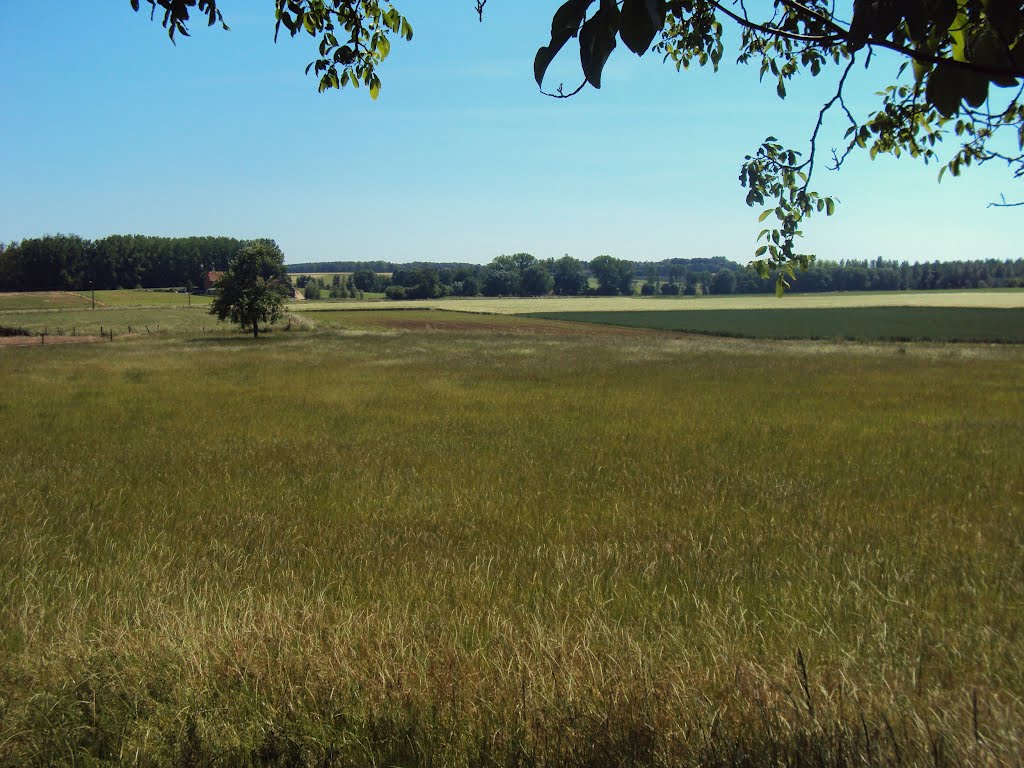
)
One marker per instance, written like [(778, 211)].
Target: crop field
[(994, 299), (868, 323), (393, 539)]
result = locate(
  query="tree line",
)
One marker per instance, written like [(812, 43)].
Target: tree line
[(522, 274), (702, 276), (69, 262)]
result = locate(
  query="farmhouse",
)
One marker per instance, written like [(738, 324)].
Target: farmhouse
[(209, 278)]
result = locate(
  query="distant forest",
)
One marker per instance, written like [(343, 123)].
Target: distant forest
[(523, 275), (69, 262)]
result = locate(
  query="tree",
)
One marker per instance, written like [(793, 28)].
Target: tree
[(537, 280), (724, 281), (426, 285), (500, 282), (614, 276), (254, 287), (570, 277), (365, 280), (505, 276), (960, 64)]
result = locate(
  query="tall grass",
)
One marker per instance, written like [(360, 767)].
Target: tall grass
[(486, 548)]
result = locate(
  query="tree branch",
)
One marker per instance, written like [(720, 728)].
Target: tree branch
[(840, 33), (560, 93), (1005, 204), (773, 31)]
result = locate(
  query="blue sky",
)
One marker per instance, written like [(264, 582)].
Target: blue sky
[(108, 128)]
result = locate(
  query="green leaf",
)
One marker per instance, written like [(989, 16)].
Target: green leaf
[(545, 55), (943, 90), (765, 214), (641, 21), (830, 206), (597, 41), (564, 25)]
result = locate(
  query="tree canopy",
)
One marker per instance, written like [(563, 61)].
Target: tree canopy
[(254, 288), (961, 64)]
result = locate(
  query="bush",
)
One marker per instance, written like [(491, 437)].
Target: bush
[(670, 289), (312, 290), (394, 292)]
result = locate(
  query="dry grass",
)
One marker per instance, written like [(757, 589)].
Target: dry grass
[(479, 548)]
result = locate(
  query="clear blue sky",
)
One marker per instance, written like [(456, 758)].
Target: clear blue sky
[(108, 128)]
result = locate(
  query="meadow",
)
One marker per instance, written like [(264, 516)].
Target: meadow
[(61, 300), (949, 323), (399, 539)]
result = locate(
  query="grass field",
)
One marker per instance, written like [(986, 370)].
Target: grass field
[(41, 300), (122, 320), (143, 298), (70, 300), (871, 323), (395, 539)]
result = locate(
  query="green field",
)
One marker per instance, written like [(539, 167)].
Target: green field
[(421, 538), (71, 300), (144, 298), (122, 321), (41, 300), (860, 323)]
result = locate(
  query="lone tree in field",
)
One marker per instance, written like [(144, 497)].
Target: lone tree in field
[(951, 69), (254, 288)]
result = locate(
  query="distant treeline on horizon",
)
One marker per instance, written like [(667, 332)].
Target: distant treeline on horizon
[(69, 262), (524, 275)]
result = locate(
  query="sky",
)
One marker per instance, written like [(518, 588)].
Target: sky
[(108, 128)]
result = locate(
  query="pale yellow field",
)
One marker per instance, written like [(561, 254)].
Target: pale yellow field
[(1009, 299)]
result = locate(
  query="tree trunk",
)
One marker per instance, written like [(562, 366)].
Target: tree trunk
[(255, 329)]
